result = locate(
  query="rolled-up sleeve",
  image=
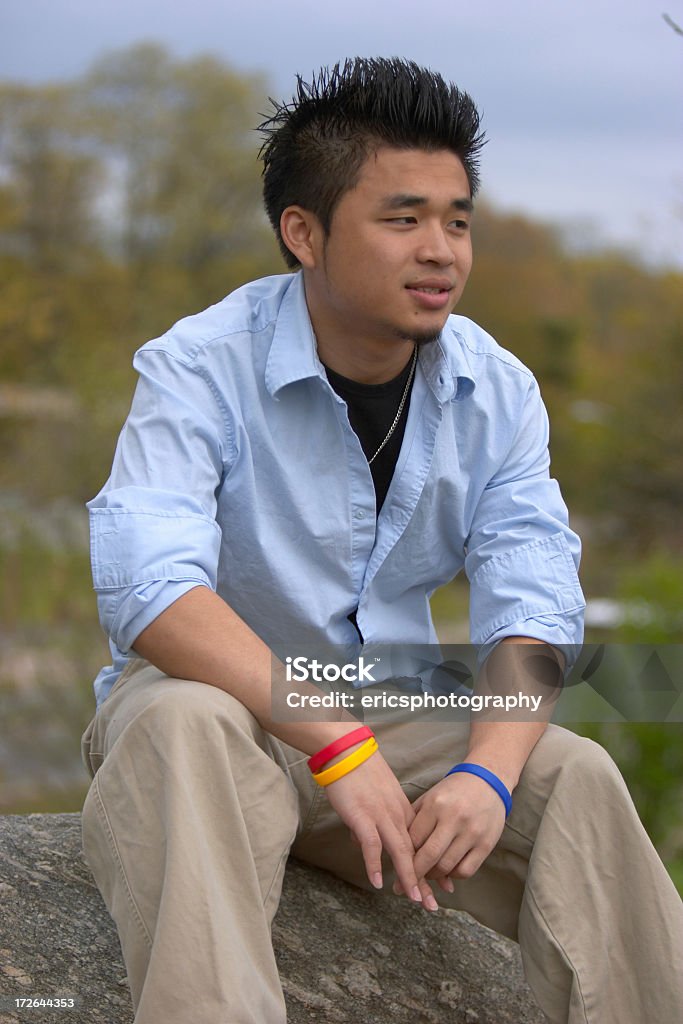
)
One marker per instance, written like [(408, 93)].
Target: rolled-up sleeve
[(522, 557), (154, 534)]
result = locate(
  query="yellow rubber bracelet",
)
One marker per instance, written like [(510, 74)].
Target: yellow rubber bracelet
[(347, 764)]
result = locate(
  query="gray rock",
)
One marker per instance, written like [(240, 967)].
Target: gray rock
[(377, 959)]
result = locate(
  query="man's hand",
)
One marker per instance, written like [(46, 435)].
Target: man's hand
[(456, 825), (371, 802)]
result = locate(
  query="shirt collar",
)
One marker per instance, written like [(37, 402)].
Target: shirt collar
[(446, 367), (293, 354)]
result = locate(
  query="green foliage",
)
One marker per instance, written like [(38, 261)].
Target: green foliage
[(653, 589), (44, 566)]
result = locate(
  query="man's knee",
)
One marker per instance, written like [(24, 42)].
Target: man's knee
[(181, 737), (170, 711), (196, 705), (569, 760)]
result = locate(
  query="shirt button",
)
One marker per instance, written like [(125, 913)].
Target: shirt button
[(359, 514)]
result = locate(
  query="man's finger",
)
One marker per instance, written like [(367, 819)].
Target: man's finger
[(428, 900), (439, 849), (370, 843), (422, 827), (400, 849), (468, 865), (447, 860)]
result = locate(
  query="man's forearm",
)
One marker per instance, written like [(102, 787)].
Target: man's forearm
[(200, 637), (504, 746)]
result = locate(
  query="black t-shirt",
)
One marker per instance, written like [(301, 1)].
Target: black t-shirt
[(372, 409)]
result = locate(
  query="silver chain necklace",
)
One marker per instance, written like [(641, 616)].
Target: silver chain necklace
[(397, 417)]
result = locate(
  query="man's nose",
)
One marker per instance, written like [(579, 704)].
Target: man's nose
[(435, 246)]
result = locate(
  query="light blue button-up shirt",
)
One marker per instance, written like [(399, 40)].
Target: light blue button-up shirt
[(237, 469)]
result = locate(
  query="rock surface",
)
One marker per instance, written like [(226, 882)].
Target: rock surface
[(376, 960)]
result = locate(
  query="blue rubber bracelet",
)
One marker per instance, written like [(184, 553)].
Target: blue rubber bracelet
[(493, 781)]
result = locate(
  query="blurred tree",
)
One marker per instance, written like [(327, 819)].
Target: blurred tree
[(51, 182), (47, 235), (128, 198), (184, 183), (632, 370)]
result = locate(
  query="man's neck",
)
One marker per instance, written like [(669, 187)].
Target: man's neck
[(360, 365), (367, 360)]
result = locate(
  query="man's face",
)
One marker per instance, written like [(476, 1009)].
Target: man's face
[(399, 252)]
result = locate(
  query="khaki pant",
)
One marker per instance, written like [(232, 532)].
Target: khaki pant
[(193, 811)]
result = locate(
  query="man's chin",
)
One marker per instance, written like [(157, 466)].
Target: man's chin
[(419, 337)]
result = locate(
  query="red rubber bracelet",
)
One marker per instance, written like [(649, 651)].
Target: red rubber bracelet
[(316, 762)]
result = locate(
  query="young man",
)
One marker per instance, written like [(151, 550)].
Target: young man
[(304, 463)]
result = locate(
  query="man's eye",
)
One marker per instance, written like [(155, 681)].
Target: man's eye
[(401, 220)]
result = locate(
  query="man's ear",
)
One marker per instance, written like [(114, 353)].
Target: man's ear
[(302, 233)]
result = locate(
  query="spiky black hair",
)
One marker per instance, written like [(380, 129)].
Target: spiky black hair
[(315, 145)]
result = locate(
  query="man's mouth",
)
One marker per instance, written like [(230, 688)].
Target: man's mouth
[(432, 295), (432, 285)]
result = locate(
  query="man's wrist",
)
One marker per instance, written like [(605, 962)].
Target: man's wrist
[(506, 771), (489, 777), (340, 748)]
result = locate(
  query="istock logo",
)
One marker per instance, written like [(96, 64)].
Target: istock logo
[(299, 670)]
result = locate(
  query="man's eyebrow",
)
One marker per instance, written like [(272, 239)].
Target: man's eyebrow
[(466, 205), (402, 199)]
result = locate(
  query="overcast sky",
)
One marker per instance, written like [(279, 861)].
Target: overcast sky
[(581, 99)]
